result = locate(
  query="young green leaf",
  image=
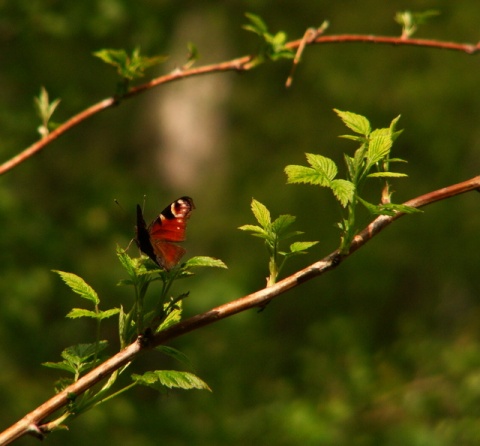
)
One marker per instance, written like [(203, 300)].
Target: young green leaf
[(280, 225), (128, 67), (80, 353), (358, 123), (80, 312), (273, 45), (79, 286), (343, 190), (204, 261), (389, 209), (256, 230), (159, 379), (192, 56), (302, 174), (323, 165), (379, 146), (257, 25), (64, 366), (387, 175), (322, 172), (410, 20), (126, 261), (301, 247), (261, 213), (172, 318), (45, 110)]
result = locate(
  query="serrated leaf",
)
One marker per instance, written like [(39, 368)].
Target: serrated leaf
[(281, 223), (65, 366), (80, 312), (159, 379), (299, 247), (378, 147), (79, 286), (257, 230), (343, 190), (205, 261), (126, 261), (353, 138), (302, 174), (261, 213), (387, 175), (173, 317), (77, 354), (323, 165), (108, 313), (358, 123)]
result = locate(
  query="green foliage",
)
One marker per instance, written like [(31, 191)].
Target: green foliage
[(376, 379), (374, 152), (192, 56), (161, 379), (142, 318), (274, 232), (45, 110), (79, 286), (410, 20), (78, 359), (273, 45), (129, 67)]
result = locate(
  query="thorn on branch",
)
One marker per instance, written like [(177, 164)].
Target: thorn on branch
[(35, 431)]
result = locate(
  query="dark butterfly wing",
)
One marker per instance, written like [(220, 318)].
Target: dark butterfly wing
[(158, 240), (142, 235)]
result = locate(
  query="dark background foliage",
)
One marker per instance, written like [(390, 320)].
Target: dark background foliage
[(384, 350)]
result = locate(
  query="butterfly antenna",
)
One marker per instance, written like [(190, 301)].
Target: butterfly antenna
[(119, 204)]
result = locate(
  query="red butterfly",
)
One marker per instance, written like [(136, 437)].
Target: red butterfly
[(157, 241)]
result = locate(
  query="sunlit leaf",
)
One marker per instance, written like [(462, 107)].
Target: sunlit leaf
[(205, 262), (358, 123), (159, 379), (79, 286), (343, 190), (261, 213)]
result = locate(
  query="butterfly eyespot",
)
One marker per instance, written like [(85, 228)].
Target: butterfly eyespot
[(158, 240)]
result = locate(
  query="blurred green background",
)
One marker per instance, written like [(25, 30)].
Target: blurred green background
[(383, 350)]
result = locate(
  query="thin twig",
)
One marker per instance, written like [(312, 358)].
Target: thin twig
[(31, 423), (239, 64)]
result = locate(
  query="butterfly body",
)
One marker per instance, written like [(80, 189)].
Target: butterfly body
[(158, 240)]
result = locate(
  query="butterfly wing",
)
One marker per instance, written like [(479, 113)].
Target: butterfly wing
[(143, 236), (163, 233)]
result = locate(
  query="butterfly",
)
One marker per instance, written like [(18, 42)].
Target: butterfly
[(157, 240)]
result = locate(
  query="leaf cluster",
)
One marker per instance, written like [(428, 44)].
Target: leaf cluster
[(273, 45), (45, 110), (129, 67), (410, 20), (142, 319), (373, 153), (273, 233)]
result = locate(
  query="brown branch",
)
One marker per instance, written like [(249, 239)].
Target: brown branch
[(31, 423), (239, 64)]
